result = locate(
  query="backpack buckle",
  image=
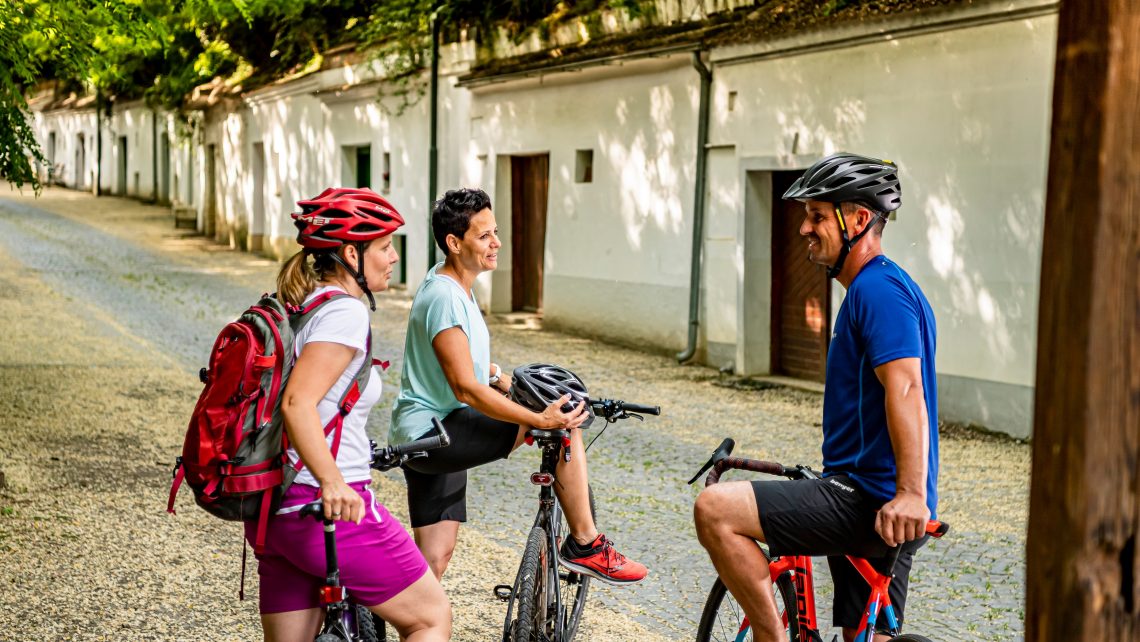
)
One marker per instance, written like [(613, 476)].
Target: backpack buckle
[(177, 465), (225, 466)]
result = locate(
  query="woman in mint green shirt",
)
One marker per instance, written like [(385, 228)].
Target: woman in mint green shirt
[(448, 375)]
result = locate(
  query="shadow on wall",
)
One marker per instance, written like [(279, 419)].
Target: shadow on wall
[(971, 140)]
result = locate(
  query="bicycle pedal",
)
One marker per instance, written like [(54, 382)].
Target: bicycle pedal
[(504, 592)]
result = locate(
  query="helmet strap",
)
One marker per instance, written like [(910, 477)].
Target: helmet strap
[(848, 243), (357, 276)]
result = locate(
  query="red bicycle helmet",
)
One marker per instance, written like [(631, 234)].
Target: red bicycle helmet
[(342, 215)]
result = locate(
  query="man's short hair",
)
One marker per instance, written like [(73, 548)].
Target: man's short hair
[(452, 213), (880, 221)]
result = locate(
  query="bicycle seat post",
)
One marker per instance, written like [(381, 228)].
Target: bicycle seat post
[(331, 563)]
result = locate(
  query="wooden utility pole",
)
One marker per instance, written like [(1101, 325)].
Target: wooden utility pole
[(1083, 576)]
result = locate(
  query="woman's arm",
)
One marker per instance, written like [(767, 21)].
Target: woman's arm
[(454, 355), (320, 365)]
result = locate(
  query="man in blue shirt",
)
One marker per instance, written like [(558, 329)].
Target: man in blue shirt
[(880, 410)]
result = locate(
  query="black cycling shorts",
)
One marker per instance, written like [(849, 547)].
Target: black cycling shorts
[(833, 517), (437, 484)]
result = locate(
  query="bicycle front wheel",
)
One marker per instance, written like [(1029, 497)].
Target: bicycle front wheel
[(723, 619), (533, 585), (573, 587)]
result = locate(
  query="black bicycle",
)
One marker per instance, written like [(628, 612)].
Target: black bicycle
[(545, 603), (346, 621)]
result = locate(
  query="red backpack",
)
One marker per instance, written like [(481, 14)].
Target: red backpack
[(234, 456)]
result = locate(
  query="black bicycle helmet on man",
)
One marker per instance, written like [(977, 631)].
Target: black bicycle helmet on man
[(850, 178)]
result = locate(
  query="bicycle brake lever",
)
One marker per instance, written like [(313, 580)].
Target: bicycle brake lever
[(638, 417), (722, 451)]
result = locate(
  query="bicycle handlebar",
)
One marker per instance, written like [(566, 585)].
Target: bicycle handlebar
[(613, 409), (721, 460), (646, 410), (439, 440)]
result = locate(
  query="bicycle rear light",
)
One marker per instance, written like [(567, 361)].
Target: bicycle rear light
[(541, 479), (332, 594)]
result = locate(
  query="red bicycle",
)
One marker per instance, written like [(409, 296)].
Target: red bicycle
[(724, 620)]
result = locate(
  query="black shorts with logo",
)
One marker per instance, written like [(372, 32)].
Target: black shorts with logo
[(833, 517), (437, 484)]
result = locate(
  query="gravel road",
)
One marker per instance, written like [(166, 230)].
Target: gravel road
[(109, 312)]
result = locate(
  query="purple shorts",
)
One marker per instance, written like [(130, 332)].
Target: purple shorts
[(377, 558)]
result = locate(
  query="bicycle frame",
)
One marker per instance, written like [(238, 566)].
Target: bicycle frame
[(549, 513), (879, 602), (799, 567)]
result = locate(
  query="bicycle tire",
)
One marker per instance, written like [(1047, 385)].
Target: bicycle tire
[(366, 625), (530, 600), (908, 637), (573, 587), (715, 627)]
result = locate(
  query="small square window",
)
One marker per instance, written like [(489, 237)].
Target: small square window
[(584, 166)]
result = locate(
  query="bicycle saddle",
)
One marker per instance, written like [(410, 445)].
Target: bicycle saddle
[(545, 436)]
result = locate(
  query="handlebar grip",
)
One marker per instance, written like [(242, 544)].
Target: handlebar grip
[(639, 408), (439, 440), (313, 509), (937, 528)]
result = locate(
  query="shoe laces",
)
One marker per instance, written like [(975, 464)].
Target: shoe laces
[(613, 559)]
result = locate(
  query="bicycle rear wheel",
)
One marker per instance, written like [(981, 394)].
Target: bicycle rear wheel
[(531, 598), (573, 587), (723, 619)]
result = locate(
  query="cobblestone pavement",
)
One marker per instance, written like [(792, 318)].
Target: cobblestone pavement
[(150, 300)]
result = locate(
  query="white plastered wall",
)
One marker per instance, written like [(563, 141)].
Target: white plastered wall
[(616, 251), (965, 114)]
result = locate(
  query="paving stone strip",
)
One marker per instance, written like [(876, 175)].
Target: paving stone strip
[(110, 312)]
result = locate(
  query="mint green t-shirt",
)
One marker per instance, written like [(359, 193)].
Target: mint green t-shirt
[(440, 303)]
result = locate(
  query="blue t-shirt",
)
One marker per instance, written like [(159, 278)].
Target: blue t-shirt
[(884, 317), (440, 303)]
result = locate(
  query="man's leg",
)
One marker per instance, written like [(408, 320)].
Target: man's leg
[(728, 526)]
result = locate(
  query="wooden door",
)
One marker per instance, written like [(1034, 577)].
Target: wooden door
[(801, 315), (529, 183)]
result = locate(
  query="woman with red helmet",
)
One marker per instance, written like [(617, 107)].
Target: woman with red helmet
[(347, 252)]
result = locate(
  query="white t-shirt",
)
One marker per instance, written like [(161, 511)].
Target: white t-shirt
[(344, 321)]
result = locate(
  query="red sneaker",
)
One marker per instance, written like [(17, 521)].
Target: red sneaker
[(601, 561)]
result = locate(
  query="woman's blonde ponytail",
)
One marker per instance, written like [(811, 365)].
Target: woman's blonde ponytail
[(296, 280)]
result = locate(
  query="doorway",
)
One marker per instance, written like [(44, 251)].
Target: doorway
[(122, 177), (257, 212), (80, 162), (210, 209), (801, 301), (529, 186), (164, 171)]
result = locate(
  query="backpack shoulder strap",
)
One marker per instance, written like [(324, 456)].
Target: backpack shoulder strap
[(359, 382)]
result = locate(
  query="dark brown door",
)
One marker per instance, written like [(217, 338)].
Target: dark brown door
[(528, 230), (801, 315)]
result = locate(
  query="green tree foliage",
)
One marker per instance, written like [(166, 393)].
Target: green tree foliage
[(160, 50)]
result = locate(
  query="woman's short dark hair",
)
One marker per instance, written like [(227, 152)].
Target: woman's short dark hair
[(452, 213)]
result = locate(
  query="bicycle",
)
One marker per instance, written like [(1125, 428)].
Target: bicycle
[(792, 579), (549, 601), (346, 621)]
